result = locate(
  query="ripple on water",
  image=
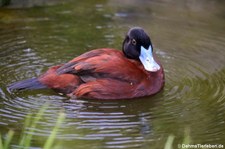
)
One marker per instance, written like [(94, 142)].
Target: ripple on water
[(194, 92), (86, 120), (193, 95), (99, 121), (201, 66)]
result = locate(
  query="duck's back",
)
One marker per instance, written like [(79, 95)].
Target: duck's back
[(102, 73)]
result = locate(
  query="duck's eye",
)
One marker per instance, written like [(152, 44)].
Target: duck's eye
[(134, 42)]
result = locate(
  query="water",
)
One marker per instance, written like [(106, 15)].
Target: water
[(188, 37)]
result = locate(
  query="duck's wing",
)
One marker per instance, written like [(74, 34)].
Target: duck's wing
[(103, 63), (70, 66)]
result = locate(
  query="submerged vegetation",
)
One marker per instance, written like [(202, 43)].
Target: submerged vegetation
[(186, 140), (27, 134), (26, 137)]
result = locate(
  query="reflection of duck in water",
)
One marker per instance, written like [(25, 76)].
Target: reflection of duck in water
[(106, 73)]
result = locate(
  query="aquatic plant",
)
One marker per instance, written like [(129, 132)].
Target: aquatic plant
[(26, 137), (186, 139)]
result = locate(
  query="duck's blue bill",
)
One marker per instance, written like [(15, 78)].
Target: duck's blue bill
[(147, 59)]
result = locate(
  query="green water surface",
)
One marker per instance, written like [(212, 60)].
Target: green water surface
[(188, 37)]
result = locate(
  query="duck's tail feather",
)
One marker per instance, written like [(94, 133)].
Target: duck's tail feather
[(28, 84)]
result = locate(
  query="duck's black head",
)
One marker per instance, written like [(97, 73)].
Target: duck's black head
[(137, 45)]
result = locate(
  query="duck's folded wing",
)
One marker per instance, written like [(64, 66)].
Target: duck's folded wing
[(102, 64), (70, 66)]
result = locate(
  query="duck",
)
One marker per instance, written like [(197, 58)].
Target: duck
[(105, 73)]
